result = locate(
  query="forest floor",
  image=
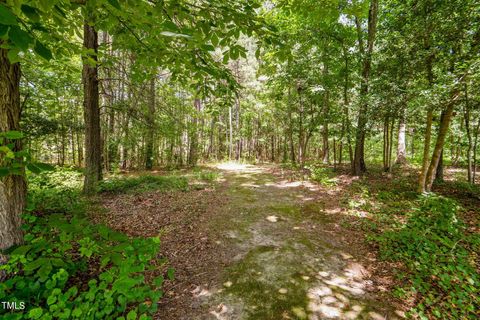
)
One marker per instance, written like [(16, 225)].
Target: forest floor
[(260, 243)]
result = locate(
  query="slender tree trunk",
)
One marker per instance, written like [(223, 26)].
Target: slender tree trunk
[(93, 148), (359, 166), (439, 171), (238, 144), (401, 145), (443, 130), (326, 112), (12, 187), (79, 149), (346, 103), (151, 126), (193, 156), (230, 137), (386, 141), (469, 137), (426, 151), (475, 143)]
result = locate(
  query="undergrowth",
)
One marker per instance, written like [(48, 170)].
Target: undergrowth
[(439, 259), (70, 268), (322, 175), (143, 183)]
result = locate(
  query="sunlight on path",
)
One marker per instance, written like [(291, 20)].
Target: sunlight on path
[(288, 264)]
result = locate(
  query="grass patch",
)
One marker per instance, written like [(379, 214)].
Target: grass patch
[(143, 184)]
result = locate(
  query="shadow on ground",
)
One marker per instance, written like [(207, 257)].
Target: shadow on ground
[(288, 262)]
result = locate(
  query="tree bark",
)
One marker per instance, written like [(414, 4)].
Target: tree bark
[(437, 152), (193, 154), (426, 151), (230, 134), (93, 147), (359, 166), (151, 126), (401, 145), (13, 187), (469, 136)]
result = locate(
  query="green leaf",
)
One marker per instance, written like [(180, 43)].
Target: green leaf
[(35, 313), (6, 16), (3, 30), (20, 38), (4, 172), (30, 12), (13, 55), (42, 51), (171, 273), (132, 315), (214, 40), (234, 54), (33, 168), (21, 251), (12, 135), (115, 4), (207, 47), (51, 299), (44, 271), (158, 281), (77, 312), (44, 166)]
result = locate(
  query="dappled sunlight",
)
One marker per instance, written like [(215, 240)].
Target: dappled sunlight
[(285, 184), (250, 185), (289, 262), (231, 166), (343, 295)]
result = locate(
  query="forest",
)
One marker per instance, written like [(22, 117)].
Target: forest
[(239, 160)]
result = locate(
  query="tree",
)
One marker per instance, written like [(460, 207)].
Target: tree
[(359, 166)]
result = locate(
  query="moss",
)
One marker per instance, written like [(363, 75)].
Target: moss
[(268, 281)]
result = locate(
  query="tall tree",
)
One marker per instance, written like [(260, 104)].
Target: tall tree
[(13, 186), (93, 147), (359, 166)]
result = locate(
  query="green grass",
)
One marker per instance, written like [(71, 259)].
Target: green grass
[(143, 183)]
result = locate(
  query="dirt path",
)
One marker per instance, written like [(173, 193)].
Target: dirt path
[(270, 249)]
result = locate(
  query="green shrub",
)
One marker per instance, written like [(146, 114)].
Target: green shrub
[(440, 260), (143, 183), (69, 268), (208, 176), (57, 191), (323, 175)]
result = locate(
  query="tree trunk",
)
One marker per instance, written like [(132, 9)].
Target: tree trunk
[(238, 144), (193, 153), (151, 127), (93, 148), (444, 124), (469, 137), (326, 112), (13, 187), (475, 143), (230, 136), (439, 171), (359, 158), (401, 145), (426, 151)]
